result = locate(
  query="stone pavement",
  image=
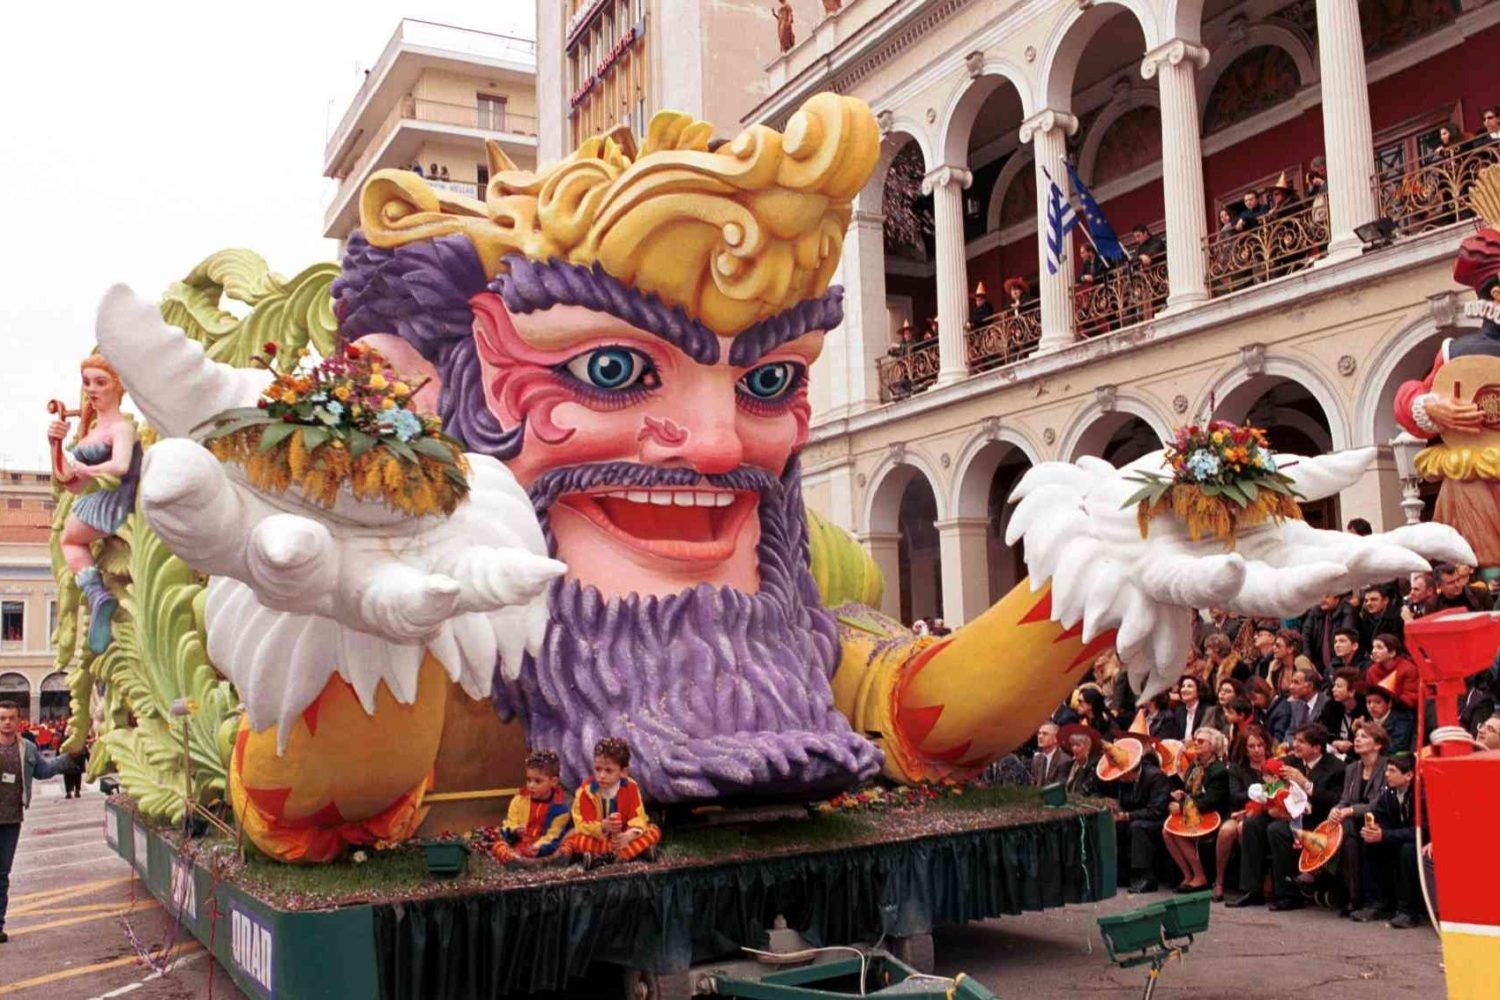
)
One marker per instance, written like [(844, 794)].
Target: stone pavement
[(75, 905)]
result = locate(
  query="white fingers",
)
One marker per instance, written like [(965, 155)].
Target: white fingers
[(1324, 475), (167, 375), (1285, 591), (1438, 542), (1186, 581), (493, 578), (194, 507), (287, 561), (399, 601)]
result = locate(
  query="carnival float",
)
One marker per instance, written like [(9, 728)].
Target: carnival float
[(517, 485)]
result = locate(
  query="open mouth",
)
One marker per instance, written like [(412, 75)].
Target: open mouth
[(689, 525)]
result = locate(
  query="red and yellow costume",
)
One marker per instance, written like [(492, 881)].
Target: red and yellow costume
[(591, 808), (1467, 464), (533, 828)]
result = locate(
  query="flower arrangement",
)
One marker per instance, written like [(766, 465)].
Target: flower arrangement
[(1223, 477), (345, 421), (881, 798)]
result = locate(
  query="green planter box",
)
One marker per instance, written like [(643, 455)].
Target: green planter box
[(445, 858)]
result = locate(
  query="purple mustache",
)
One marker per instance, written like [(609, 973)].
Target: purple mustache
[(633, 475)]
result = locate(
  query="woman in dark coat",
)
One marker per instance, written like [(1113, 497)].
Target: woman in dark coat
[(1246, 758), (1207, 786)]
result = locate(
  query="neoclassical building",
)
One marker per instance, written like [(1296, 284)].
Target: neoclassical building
[(1304, 321)]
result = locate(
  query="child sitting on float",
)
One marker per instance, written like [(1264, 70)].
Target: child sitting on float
[(609, 815), (538, 818)]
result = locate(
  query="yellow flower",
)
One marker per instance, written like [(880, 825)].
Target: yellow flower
[(401, 389), (377, 381), (341, 393), (388, 403), (1218, 436)]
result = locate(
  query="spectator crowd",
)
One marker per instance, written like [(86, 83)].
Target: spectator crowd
[(1275, 727)]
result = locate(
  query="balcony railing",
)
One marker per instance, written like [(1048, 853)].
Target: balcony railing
[(1009, 336), (1277, 245), (1130, 294), (485, 117), (1434, 193), (908, 369)]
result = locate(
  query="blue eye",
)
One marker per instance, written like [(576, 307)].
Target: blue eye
[(613, 369), (771, 381)]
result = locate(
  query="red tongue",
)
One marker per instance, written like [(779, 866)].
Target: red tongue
[(659, 523)]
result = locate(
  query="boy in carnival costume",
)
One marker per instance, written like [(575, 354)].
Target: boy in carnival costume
[(538, 818), (609, 817)]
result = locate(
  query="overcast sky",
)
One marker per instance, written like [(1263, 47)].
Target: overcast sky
[(136, 139)]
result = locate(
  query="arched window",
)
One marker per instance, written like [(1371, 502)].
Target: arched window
[(15, 687)]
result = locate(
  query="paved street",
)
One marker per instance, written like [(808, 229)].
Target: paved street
[(74, 906)]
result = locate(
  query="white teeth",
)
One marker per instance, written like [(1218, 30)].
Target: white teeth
[(668, 498), (661, 499), (705, 499), (683, 499), (638, 496), (723, 499)]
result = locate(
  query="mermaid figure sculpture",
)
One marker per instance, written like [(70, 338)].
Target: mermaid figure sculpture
[(104, 466)]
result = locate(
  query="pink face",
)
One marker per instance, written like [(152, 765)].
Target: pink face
[(592, 388)]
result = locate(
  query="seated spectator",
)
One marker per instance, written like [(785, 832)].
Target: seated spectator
[(1287, 656), (1364, 782), (1306, 696), (1228, 692), (1346, 706), (1247, 755), (1378, 614), (1238, 714), (1262, 650), (1207, 785), (1391, 886), (1321, 623), (1262, 699), (1320, 776), (1215, 621), (1144, 793), (1422, 599), (1093, 710), (1488, 733), (1051, 763), (1162, 719), (1399, 723), (1388, 656), (1193, 710), (1347, 652), (1477, 703), (1222, 661), (1454, 591), (1084, 745)]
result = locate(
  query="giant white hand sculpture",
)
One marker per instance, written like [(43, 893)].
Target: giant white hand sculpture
[(296, 591), (1079, 536)]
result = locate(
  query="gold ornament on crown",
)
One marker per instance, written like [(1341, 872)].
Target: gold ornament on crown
[(1484, 196), (733, 235)]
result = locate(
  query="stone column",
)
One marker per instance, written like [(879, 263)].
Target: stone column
[(866, 327), (884, 548), (1046, 131), (966, 570), (1348, 141), (946, 185), (1181, 168)]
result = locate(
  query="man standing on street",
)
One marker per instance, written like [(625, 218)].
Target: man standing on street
[(20, 762)]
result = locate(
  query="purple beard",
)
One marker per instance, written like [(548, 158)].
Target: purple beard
[(720, 693)]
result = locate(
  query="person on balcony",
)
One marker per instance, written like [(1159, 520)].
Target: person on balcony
[(1251, 212), (1092, 270), (1490, 120), (929, 331), (1280, 200), (983, 308), (443, 173), (903, 341), (1147, 247), (1016, 290)]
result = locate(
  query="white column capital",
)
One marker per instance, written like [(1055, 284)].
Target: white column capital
[(1173, 53), (874, 219), (962, 525), (945, 175), (1045, 121)]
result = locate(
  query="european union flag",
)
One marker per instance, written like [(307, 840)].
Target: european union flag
[(1105, 240)]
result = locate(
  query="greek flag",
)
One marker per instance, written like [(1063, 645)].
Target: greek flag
[(1061, 220), (1105, 240)]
